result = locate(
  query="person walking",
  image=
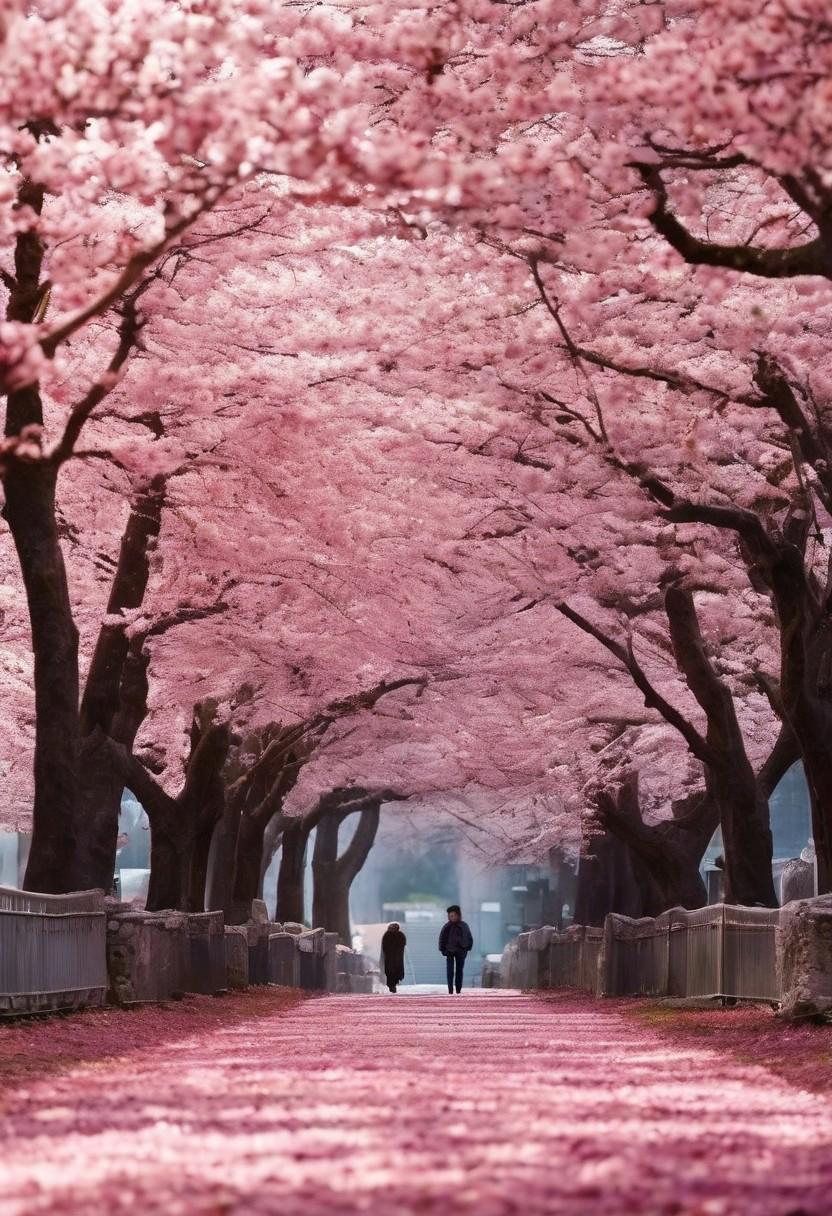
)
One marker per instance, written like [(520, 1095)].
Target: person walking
[(455, 941), (392, 955)]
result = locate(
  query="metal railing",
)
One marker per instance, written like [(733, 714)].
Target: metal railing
[(52, 950), (719, 951)]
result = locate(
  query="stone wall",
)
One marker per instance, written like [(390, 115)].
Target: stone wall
[(157, 956), (805, 958)]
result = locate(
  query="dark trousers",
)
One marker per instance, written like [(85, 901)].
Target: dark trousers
[(456, 963)]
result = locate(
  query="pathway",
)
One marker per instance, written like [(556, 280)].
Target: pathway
[(487, 1104)]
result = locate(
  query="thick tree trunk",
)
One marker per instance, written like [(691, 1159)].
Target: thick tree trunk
[(246, 868), (806, 689), (671, 852), (201, 803), (29, 510), (181, 828), (607, 881), (164, 889), (166, 838), (271, 844), (101, 788), (332, 875), (325, 898), (290, 875), (114, 703), (220, 879), (730, 778), (746, 835)]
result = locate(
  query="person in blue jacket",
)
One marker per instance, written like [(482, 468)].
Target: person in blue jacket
[(455, 941)]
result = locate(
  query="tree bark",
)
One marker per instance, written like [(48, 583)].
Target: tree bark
[(290, 875), (29, 510), (803, 611), (730, 778), (221, 854), (806, 691), (181, 828), (325, 878), (166, 868), (260, 794), (671, 851), (247, 858), (608, 881), (333, 876), (271, 843), (114, 702)]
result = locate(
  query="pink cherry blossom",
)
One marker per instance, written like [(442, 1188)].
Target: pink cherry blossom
[(488, 1102)]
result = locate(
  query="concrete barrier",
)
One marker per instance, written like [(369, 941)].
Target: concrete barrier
[(284, 960), (312, 949), (258, 951), (331, 962), (206, 953), (148, 956), (355, 972), (236, 956)]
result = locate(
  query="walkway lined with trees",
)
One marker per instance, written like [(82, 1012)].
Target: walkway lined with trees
[(490, 1103)]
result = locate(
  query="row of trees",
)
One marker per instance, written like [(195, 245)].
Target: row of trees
[(435, 399)]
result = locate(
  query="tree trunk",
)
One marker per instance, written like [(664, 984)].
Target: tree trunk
[(164, 890), (101, 789), (671, 851), (181, 828), (29, 510), (220, 878), (730, 778), (271, 843), (246, 868), (325, 871), (201, 804), (114, 703), (806, 686), (332, 875), (607, 881), (290, 875)]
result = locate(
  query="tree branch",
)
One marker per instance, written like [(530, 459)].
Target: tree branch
[(128, 338), (811, 258), (698, 746), (363, 839)]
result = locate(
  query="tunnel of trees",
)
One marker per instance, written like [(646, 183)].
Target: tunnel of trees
[(416, 410)]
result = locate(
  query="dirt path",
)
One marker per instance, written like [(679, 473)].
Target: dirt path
[(488, 1104)]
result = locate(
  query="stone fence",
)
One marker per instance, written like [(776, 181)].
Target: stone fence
[(783, 956), (81, 950)]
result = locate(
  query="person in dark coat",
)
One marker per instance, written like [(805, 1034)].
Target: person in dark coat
[(455, 941), (392, 955)]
